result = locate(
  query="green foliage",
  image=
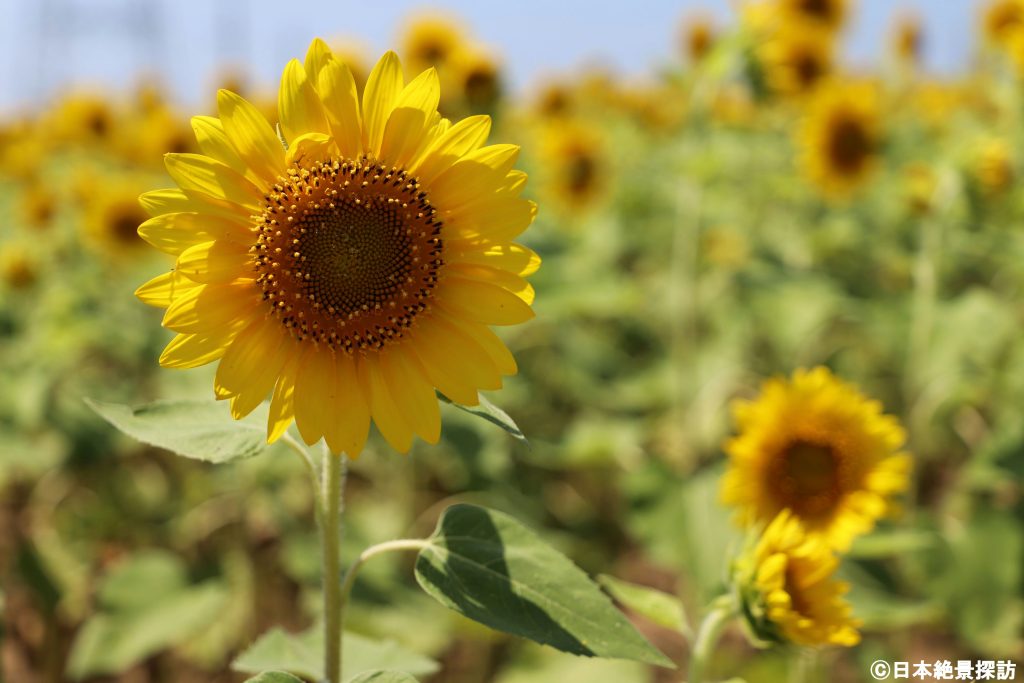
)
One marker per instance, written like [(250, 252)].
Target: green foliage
[(303, 654), (661, 608), (489, 412), (146, 605), (489, 567), (202, 430), (382, 677), (274, 677)]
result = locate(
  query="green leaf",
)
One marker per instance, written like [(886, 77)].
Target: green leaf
[(273, 677), (489, 567), (113, 641), (383, 677), (661, 608), (203, 430), (129, 586), (490, 412), (303, 654), (892, 542)]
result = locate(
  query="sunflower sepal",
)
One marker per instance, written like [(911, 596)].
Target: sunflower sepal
[(488, 412)]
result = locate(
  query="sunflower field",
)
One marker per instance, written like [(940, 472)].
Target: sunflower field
[(392, 372)]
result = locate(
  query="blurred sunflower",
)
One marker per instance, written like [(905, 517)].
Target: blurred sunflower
[(85, 118), (18, 267), (38, 205), (479, 81), (795, 60), (919, 183), (828, 15), (908, 39), (788, 592), (576, 169), (432, 41), (1001, 19), (815, 445), (111, 217), (841, 137), (697, 38), (155, 132), (353, 272), (993, 166)]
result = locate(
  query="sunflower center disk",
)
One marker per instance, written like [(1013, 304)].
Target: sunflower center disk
[(808, 478), (850, 145), (348, 253)]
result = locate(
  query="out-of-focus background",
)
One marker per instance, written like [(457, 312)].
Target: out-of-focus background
[(700, 233)]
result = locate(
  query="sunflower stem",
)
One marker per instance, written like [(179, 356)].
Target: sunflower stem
[(374, 550), (722, 611), (333, 485)]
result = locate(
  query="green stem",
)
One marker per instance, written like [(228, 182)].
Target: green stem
[(330, 541), (314, 476), (710, 630), (373, 551)]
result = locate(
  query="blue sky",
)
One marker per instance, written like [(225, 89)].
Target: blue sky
[(47, 43)]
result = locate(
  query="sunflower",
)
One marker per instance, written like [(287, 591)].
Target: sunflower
[(841, 137), (38, 205), (817, 446), (787, 589), (574, 159), (697, 38), (1001, 19), (86, 118), (18, 267), (432, 41), (795, 61), (351, 272), (908, 39), (993, 166), (829, 15), (111, 217), (479, 80)]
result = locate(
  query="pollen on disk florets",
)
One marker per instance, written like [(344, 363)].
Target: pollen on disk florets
[(348, 252)]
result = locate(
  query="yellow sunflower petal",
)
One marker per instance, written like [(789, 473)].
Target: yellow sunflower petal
[(382, 89), (463, 137), (251, 365), (412, 395), (515, 258), (348, 422), (312, 147), (492, 345), (164, 288), (208, 307), (214, 142), (252, 137), (446, 350), (415, 110), (317, 57), (298, 104), (216, 261), (314, 392), (482, 302), (496, 220), (210, 177), (172, 233), (194, 350), (282, 403), (495, 276), (387, 416), (337, 89)]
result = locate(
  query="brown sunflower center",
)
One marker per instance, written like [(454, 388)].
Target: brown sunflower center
[(124, 220), (348, 253), (808, 69), (481, 88), (807, 478), (580, 173), (849, 145), (821, 9)]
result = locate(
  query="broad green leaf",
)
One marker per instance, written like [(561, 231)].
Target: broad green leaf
[(203, 430), (383, 677), (129, 586), (490, 412), (274, 677), (661, 608), (489, 567), (303, 654), (113, 641)]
